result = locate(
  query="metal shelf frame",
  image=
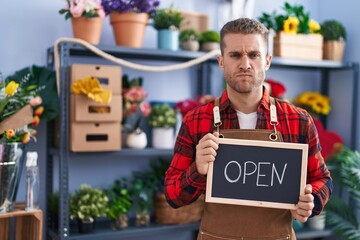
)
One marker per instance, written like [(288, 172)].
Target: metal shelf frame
[(68, 50)]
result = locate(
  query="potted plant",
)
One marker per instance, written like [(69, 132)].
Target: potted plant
[(297, 35), (135, 108), (162, 120), (86, 204), (190, 39), (210, 40), (167, 23), (334, 34), (343, 216), (119, 204), (87, 18), (129, 19)]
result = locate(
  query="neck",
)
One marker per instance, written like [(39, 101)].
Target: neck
[(245, 102)]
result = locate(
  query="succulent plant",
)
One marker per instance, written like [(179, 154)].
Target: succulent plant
[(333, 30)]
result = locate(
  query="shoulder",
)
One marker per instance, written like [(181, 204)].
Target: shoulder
[(285, 107)]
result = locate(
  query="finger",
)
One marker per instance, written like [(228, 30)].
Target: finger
[(308, 189), (208, 151), (306, 198), (216, 134)]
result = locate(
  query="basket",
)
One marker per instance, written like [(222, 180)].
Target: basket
[(165, 214)]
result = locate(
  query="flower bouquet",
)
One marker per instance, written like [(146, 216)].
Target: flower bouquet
[(87, 18)]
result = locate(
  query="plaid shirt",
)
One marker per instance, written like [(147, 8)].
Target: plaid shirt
[(183, 184)]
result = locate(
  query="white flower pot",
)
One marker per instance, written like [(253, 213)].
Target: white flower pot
[(136, 139), (163, 137), (317, 222)]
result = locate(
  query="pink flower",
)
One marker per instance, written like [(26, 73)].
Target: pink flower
[(77, 8), (135, 94), (186, 105), (35, 101), (145, 108)]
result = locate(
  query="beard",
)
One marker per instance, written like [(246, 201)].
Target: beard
[(244, 82)]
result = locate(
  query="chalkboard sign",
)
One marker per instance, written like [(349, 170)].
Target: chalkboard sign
[(257, 173)]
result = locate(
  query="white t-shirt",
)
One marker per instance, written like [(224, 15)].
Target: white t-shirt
[(247, 121)]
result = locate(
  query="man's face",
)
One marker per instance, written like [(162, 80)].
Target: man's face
[(244, 61)]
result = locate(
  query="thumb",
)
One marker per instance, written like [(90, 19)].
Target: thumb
[(308, 189)]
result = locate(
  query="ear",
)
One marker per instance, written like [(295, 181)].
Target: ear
[(220, 60), (268, 62)]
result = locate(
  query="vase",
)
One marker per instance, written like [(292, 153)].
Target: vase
[(209, 46), (121, 222), (136, 139), (163, 137), (129, 28), (191, 45), (85, 226), (88, 29), (12, 157), (334, 50), (142, 219), (168, 39), (317, 222)]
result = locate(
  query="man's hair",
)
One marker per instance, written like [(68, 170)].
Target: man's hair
[(244, 26)]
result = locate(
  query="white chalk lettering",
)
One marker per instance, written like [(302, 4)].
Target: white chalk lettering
[(225, 172), (277, 174), (248, 173), (259, 169), (261, 175)]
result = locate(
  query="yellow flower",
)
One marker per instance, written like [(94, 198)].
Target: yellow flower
[(314, 102), (314, 26), (291, 24), (92, 89), (11, 88)]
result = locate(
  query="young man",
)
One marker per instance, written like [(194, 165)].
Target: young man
[(244, 104)]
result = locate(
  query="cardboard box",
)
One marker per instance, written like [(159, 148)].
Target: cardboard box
[(109, 76), (95, 137), (195, 20), (83, 109), (298, 46)]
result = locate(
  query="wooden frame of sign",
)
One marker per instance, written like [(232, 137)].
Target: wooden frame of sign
[(257, 173)]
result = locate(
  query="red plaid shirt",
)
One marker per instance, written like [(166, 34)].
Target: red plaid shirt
[(183, 184)]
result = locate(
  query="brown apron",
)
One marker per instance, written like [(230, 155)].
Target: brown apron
[(235, 222)]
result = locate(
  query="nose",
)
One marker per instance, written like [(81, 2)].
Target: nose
[(244, 63)]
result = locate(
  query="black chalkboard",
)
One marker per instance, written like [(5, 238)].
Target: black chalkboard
[(257, 173)]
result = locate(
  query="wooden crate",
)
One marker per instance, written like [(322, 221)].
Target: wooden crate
[(298, 46), (28, 225)]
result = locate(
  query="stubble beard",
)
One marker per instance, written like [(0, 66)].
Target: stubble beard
[(243, 86)]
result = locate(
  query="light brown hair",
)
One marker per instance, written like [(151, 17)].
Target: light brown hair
[(244, 26)]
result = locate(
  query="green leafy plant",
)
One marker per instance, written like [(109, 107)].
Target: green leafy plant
[(162, 116), (210, 36), (189, 34), (119, 199), (345, 170), (167, 18), (294, 20), (333, 30), (88, 203)]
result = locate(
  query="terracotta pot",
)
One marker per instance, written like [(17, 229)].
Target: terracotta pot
[(88, 29), (129, 28)]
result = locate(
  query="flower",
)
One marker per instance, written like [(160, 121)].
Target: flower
[(294, 21), (92, 89), (133, 102), (136, 6), (276, 89), (189, 104), (18, 103), (313, 102), (86, 8)]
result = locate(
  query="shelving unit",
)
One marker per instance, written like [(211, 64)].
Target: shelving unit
[(69, 50)]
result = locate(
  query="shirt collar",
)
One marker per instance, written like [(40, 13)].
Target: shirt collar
[(264, 101)]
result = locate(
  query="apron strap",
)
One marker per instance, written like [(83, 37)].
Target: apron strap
[(217, 119)]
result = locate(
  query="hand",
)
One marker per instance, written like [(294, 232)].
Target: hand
[(206, 152), (304, 206)]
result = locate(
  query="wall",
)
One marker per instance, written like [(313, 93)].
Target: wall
[(24, 41)]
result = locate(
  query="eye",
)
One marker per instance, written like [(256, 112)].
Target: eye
[(234, 55), (254, 55)]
